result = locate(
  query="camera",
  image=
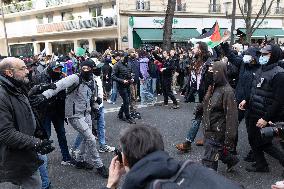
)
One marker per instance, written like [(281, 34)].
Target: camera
[(276, 129)]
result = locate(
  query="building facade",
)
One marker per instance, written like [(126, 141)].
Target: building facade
[(59, 26)]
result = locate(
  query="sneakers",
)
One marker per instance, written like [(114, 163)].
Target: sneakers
[(121, 118), (135, 115), (106, 148), (184, 147), (84, 165), (103, 171), (71, 162), (110, 102), (175, 106)]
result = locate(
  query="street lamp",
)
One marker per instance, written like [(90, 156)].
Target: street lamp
[(227, 6)]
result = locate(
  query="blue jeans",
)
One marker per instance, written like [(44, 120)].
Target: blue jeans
[(146, 95), (43, 171), (154, 86), (58, 123), (101, 131), (114, 92), (195, 124)]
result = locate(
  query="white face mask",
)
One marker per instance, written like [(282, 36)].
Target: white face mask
[(263, 59), (245, 48), (247, 59)]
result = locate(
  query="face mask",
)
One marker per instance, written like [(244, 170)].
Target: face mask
[(245, 48), (247, 59), (97, 72), (263, 60), (87, 76)]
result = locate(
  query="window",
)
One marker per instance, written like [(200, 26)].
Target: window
[(140, 5), (39, 19), (67, 16), (49, 18), (95, 11)]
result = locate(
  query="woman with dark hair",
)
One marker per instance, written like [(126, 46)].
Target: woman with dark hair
[(197, 86)]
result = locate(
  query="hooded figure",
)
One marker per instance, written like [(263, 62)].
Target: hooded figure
[(220, 120)]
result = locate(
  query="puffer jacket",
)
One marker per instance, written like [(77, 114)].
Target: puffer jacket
[(78, 101), (122, 71), (18, 159), (220, 114)]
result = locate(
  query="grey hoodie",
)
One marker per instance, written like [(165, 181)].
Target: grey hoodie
[(78, 102)]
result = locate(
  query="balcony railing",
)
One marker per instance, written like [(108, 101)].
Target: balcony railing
[(214, 8), (279, 10), (181, 7), (142, 5), (70, 25), (35, 4)]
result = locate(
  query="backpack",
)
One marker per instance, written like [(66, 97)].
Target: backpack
[(195, 176)]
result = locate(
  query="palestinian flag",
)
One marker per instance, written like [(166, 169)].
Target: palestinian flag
[(212, 37)]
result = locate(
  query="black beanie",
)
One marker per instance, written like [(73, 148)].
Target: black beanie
[(88, 62)]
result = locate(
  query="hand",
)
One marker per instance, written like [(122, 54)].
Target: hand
[(261, 123), (116, 170), (278, 185), (242, 105), (44, 146), (125, 81), (99, 100), (162, 69), (37, 100)]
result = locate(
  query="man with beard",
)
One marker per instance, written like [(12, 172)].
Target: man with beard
[(19, 161), (82, 94), (54, 111), (199, 81)]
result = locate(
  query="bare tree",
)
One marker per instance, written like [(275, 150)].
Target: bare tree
[(168, 25), (233, 26), (251, 27)]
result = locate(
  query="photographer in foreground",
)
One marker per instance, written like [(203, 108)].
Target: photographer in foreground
[(145, 160)]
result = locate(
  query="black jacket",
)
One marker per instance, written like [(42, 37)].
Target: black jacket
[(122, 71), (18, 159), (169, 64)]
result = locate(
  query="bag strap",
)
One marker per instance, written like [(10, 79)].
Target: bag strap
[(157, 183)]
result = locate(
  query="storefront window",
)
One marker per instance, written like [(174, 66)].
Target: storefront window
[(22, 50), (62, 48)]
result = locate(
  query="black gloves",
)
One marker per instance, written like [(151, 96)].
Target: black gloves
[(44, 147), (47, 86), (225, 47), (99, 100), (37, 100)]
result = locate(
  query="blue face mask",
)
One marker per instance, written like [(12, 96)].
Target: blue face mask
[(263, 60), (247, 59)]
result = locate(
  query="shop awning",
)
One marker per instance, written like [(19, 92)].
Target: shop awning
[(270, 32), (156, 35)]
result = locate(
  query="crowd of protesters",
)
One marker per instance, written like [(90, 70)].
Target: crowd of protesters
[(227, 84)]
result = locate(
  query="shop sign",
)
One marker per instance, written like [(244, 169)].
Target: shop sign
[(162, 21)]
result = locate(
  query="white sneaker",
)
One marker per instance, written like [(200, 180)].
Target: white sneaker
[(106, 148)]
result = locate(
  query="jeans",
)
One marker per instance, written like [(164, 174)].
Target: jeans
[(146, 95), (195, 124), (114, 92), (154, 86), (101, 131), (58, 123), (88, 147), (43, 170), (33, 182), (133, 97), (125, 95)]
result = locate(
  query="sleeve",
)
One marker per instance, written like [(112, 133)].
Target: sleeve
[(8, 134), (234, 59), (61, 85), (115, 73), (231, 116), (278, 91), (100, 87)]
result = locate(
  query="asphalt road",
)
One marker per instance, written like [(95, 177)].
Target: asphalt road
[(173, 124)]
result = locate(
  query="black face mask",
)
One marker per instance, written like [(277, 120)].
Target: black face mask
[(87, 76), (210, 80)]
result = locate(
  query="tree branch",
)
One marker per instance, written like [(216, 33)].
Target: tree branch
[(242, 11), (267, 11)]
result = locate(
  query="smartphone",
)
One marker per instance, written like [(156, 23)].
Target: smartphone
[(118, 154)]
